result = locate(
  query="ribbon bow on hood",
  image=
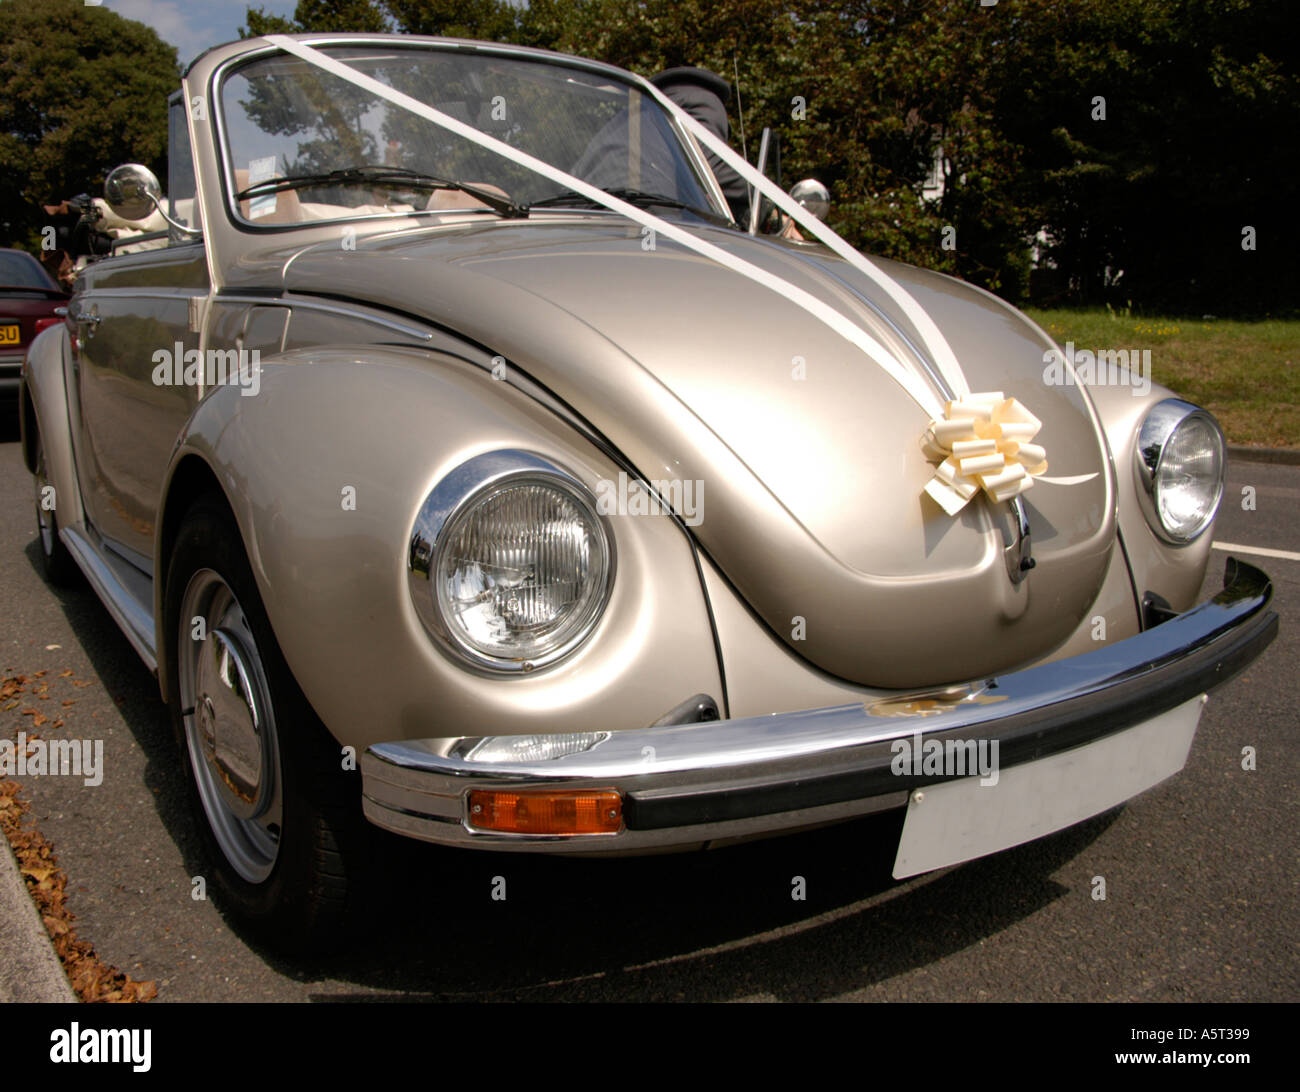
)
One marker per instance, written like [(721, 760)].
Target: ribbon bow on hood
[(984, 443)]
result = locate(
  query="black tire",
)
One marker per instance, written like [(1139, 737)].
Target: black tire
[(304, 905), (57, 564)]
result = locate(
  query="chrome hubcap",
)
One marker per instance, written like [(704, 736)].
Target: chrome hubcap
[(230, 726)]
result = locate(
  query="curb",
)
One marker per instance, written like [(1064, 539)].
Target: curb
[(1280, 456), (29, 969)]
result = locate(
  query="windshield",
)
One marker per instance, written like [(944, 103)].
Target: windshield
[(284, 118)]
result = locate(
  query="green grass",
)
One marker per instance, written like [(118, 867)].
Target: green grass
[(1246, 373)]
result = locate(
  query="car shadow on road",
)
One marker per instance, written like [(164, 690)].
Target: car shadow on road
[(712, 925), (708, 926)]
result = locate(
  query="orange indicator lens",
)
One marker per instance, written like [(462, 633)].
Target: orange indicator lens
[(553, 811)]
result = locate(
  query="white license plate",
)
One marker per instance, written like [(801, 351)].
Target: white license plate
[(960, 820)]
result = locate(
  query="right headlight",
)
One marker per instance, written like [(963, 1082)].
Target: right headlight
[(1180, 465), (510, 564)]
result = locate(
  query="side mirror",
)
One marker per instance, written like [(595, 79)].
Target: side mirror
[(813, 196), (132, 191)]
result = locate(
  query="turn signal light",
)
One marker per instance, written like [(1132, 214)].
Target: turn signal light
[(553, 811)]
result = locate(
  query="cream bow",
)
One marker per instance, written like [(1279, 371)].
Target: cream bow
[(983, 442)]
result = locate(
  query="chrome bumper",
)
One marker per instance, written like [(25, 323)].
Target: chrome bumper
[(691, 784)]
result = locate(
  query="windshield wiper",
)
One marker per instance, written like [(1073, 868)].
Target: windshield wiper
[(633, 197), (379, 175)]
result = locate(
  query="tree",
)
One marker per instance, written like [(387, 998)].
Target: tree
[(862, 95), (1192, 146), (360, 16), (490, 20), (487, 20), (1129, 141), (81, 90)]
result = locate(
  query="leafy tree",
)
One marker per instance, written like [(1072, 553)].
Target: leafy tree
[(862, 95), (361, 16), (1199, 98), (487, 20), (1146, 204), (491, 20), (81, 90)]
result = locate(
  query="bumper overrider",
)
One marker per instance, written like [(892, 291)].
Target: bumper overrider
[(684, 785)]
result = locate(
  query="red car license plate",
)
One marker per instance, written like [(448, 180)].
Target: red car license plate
[(9, 334)]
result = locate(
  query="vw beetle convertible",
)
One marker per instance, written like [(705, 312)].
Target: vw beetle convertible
[(457, 462)]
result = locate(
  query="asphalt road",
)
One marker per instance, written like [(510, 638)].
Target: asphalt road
[(1201, 872)]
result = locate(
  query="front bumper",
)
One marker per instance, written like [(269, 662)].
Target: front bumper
[(693, 784)]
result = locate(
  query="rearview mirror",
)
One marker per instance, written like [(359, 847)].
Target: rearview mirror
[(813, 196), (132, 191)]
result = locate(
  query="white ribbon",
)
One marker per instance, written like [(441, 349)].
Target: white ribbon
[(931, 336), (932, 339), (904, 376)]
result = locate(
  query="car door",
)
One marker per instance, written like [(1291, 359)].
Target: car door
[(138, 317)]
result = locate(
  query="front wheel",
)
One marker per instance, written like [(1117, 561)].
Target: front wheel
[(280, 817)]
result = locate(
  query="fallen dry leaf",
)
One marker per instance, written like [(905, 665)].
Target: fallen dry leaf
[(90, 977)]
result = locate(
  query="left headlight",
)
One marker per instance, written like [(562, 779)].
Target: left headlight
[(1180, 466), (510, 565)]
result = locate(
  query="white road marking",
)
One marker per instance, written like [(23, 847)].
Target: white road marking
[(1259, 551)]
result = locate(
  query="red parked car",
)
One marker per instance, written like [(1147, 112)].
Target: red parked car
[(29, 298)]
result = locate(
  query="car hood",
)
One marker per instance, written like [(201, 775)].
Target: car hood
[(812, 499)]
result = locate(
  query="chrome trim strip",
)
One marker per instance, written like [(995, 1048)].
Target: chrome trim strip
[(308, 303), (1046, 708), (131, 616), (150, 293)]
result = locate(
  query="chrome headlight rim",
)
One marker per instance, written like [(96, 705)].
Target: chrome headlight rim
[(455, 494), (1154, 434)]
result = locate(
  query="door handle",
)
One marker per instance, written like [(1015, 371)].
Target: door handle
[(90, 319)]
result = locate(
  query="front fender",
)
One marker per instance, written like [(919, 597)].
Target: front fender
[(44, 405), (326, 467)]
